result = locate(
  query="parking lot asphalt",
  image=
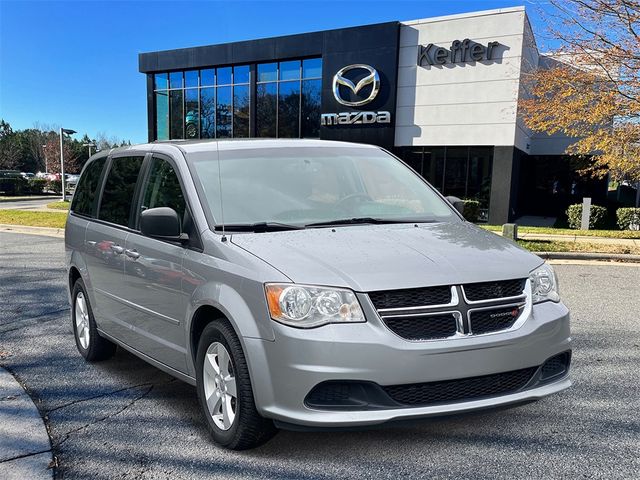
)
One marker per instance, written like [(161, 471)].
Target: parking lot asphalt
[(125, 419)]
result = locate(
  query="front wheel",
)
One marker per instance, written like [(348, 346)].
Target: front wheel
[(225, 393)]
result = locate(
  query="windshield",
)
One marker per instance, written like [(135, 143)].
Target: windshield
[(301, 186)]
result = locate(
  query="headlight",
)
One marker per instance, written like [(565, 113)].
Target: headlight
[(544, 284), (307, 306)]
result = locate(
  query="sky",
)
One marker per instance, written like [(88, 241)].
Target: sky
[(75, 63)]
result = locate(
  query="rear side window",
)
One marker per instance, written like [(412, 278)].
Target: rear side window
[(119, 189), (163, 188), (87, 188)]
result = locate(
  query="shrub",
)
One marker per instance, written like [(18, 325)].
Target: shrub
[(628, 218), (596, 219), (471, 210), (36, 186), (13, 185), (54, 186)]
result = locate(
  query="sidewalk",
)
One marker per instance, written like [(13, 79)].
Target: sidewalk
[(25, 449), (628, 242)]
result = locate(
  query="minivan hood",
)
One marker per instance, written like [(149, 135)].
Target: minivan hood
[(383, 257)]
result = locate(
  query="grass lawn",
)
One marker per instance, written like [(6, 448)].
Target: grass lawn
[(555, 246), (33, 218), (58, 205), (569, 231)]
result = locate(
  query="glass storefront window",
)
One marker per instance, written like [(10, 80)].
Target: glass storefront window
[(455, 174), (191, 79), (216, 102), (290, 70), (266, 109), (223, 112), (223, 76), (192, 113), (176, 99), (241, 111), (267, 72), (208, 113), (464, 172), (161, 81), (312, 68), (433, 166), (175, 80), (289, 109), (208, 77), (241, 74), (162, 115), (310, 118)]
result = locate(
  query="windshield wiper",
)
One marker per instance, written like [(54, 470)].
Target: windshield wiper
[(365, 220), (257, 227)]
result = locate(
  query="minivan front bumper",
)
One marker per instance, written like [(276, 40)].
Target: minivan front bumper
[(286, 370)]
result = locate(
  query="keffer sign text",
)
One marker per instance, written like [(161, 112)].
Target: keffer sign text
[(460, 51)]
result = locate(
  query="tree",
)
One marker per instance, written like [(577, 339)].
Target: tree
[(9, 147), (590, 87)]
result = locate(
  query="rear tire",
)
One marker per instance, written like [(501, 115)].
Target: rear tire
[(222, 371), (88, 341)]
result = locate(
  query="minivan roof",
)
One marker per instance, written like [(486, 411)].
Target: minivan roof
[(192, 146)]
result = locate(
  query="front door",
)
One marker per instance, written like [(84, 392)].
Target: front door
[(154, 273)]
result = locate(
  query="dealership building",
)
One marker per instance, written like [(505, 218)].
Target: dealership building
[(441, 93)]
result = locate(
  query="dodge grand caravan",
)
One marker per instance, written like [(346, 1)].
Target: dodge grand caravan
[(306, 284)]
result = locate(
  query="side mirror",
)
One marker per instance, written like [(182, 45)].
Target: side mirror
[(162, 223), (457, 203)]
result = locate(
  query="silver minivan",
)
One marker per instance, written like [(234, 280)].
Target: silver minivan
[(306, 284)]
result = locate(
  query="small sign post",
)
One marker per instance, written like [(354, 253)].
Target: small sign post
[(586, 213)]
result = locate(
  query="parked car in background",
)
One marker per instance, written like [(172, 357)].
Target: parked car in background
[(306, 284), (71, 181), (10, 173)]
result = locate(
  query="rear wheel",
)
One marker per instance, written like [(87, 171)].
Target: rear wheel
[(89, 343), (225, 393)]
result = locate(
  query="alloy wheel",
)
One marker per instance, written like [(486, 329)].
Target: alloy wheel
[(220, 387), (82, 320)]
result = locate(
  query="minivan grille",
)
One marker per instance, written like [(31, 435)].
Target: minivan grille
[(434, 313), (411, 297), (464, 389), (489, 290), (423, 327)]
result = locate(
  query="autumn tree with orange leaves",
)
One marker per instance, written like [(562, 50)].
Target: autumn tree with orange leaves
[(592, 89)]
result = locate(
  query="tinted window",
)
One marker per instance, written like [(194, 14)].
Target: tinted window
[(87, 186), (119, 189), (163, 188)]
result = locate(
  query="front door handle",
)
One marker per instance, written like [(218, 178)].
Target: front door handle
[(132, 254), (117, 249)]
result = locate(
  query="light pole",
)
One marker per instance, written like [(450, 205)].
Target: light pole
[(68, 131), (89, 145), (44, 151)]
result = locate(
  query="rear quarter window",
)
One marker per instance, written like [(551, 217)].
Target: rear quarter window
[(87, 189)]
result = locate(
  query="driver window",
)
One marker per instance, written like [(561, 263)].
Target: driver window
[(163, 189)]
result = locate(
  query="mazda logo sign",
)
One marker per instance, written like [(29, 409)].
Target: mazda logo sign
[(372, 78)]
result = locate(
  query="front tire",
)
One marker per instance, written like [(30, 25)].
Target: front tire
[(225, 393), (88, 341)]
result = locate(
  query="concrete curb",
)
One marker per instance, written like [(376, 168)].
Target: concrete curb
[(46, 231), (25, 447), (619, 257), (27, 199)]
